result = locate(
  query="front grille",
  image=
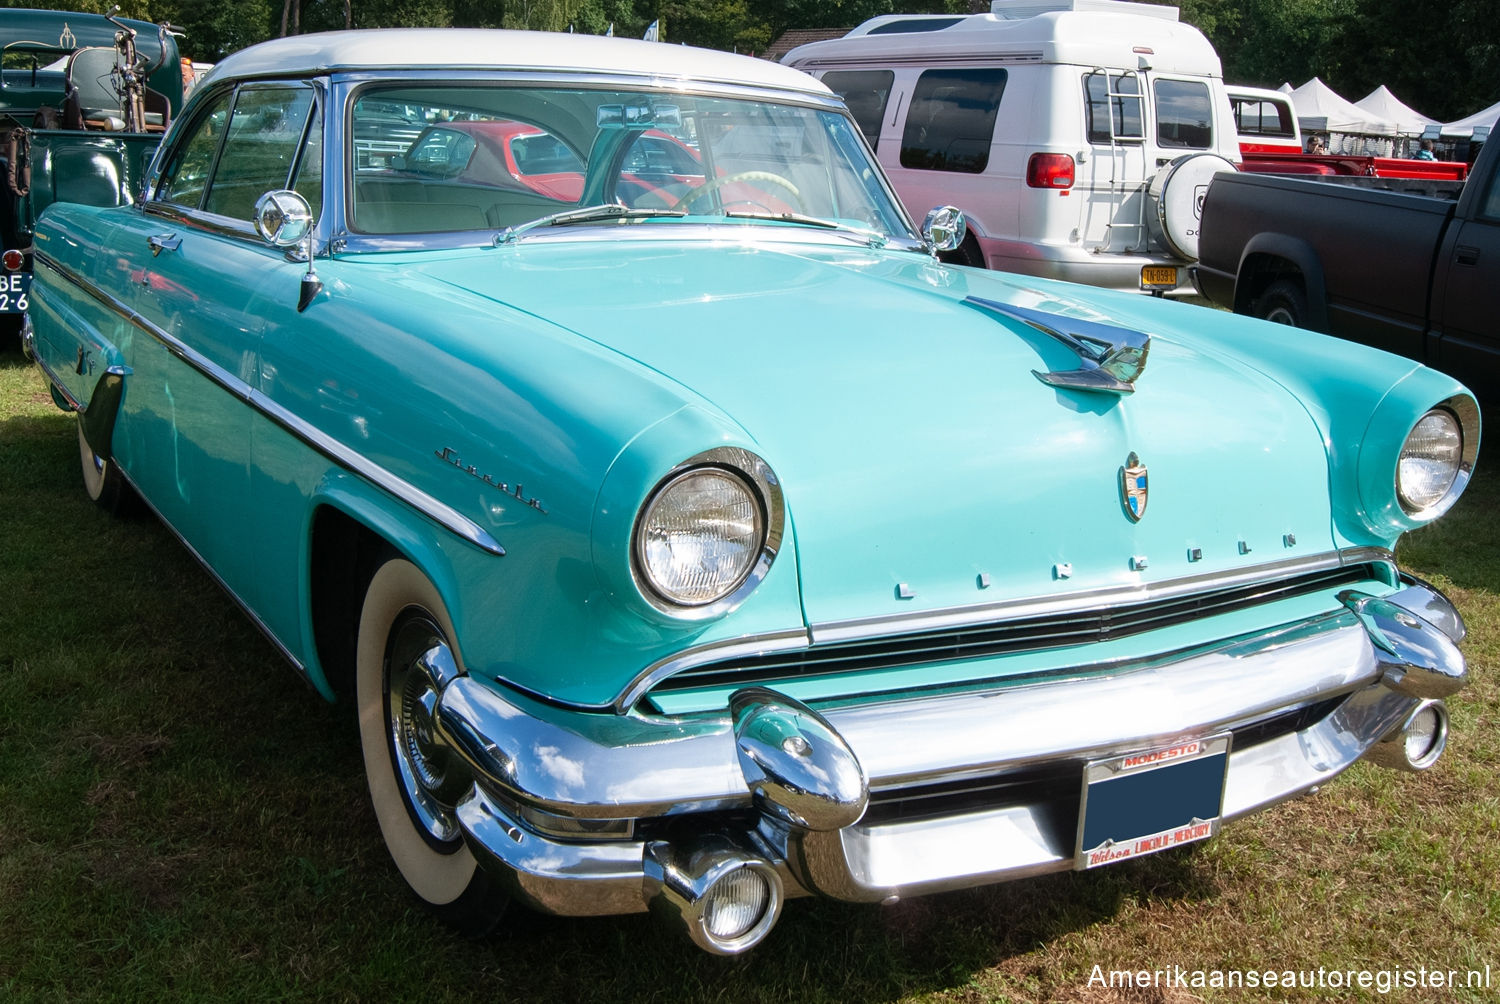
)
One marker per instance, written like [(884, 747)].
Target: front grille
[(1054, 789), (1027, 634)]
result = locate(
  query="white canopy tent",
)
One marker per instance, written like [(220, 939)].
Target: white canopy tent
[(1321, 109), (1385, 106), (1465, 127)]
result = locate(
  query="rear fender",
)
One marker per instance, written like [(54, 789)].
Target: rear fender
[(1268, 257)]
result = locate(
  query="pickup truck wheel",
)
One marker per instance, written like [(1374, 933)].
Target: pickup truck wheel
[(102, 480), (1283, 302), (415, 781)]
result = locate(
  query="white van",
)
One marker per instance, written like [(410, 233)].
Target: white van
[(1077, 136)]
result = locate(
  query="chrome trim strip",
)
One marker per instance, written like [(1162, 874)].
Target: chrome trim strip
[(872, 627), (900, 624), (762, 644), (254, 618), (439, 512)]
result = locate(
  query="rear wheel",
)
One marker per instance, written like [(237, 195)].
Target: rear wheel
[(415, 779), (1283, 302), (102, 480)]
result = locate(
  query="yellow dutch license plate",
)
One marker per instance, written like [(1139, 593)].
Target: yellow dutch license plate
[(1159, 276)]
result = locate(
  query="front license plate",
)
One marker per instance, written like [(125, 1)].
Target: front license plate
[(14, 288), (1159, 277), (1149, 801)]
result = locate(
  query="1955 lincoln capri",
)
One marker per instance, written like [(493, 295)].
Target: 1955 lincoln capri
[(700, 541)]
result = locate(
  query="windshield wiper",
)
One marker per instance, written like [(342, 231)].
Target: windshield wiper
[(874, 238), (584, 214)]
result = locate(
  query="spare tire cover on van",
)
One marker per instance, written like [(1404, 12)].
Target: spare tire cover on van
[(1176, 197)]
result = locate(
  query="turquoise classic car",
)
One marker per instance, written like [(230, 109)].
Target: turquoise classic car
[(701, 541)]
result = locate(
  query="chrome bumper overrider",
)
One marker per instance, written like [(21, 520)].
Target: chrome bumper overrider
[(786, 788)]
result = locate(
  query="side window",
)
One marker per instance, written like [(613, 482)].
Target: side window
[(1184, 114), (951, 121), (260, 150), (1491, 208), (186, 175), (1253, 117), (1112, 103), (866, 93)]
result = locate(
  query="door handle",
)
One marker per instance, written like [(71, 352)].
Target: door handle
[(1466, 255), (163, 242)]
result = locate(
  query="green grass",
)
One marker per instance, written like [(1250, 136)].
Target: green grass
[(181, 818)]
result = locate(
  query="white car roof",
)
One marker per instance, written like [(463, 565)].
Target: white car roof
[(475, 48), (1068, 37)]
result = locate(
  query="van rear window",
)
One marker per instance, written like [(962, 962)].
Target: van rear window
[(865, 92), (951, 121), (1184, 114)]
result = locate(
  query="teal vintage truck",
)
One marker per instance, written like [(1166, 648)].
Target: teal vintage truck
[(84, 100)]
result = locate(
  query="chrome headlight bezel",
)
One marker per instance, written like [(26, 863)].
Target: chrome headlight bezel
[(763, 488), (1465, 415)]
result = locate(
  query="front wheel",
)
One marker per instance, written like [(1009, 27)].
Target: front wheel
[(415, 779), (1283, 302)]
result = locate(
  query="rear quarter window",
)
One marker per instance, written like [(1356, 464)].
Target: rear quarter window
[(1254, 117), (951, 121), (1184, 114)]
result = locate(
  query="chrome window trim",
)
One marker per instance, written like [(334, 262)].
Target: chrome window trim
[(878, 627), (344, 89), (437, 511)]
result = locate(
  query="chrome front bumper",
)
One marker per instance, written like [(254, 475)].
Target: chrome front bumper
[(1304, 701)]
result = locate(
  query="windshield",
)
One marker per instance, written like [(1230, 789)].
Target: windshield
[(486, 157)]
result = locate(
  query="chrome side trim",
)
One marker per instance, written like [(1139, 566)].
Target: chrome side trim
[(439, 512), (254, 618)]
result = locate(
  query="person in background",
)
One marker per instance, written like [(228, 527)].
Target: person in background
[(1425, 151), (1317, 145)]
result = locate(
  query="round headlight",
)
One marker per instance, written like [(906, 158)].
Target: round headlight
[(1430, 461), (700, 536)]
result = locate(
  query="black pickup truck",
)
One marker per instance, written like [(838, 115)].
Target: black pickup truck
[(1408, 266)]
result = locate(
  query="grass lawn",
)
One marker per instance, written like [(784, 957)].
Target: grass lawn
[(182, 818)]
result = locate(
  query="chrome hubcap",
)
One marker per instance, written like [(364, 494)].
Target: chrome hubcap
[(425, 769)]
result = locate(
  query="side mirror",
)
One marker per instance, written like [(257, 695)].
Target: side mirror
[(944, 228), (283, 219)]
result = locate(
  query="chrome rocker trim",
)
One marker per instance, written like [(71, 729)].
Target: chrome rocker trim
[(630, 768)]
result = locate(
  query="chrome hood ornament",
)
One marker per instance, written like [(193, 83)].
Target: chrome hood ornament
[(1133, 488), (1112, 356)]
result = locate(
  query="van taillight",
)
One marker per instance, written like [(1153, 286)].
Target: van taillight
[(1049, 170)]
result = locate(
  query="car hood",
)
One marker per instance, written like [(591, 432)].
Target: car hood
[(924, 465)]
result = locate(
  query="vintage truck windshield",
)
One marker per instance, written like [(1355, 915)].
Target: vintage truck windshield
[(471, 157)]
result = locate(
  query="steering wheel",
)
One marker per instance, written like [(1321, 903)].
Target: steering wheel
[(729, 179)]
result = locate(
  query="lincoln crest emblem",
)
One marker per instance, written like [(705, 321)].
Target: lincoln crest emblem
[(1133, 487)]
